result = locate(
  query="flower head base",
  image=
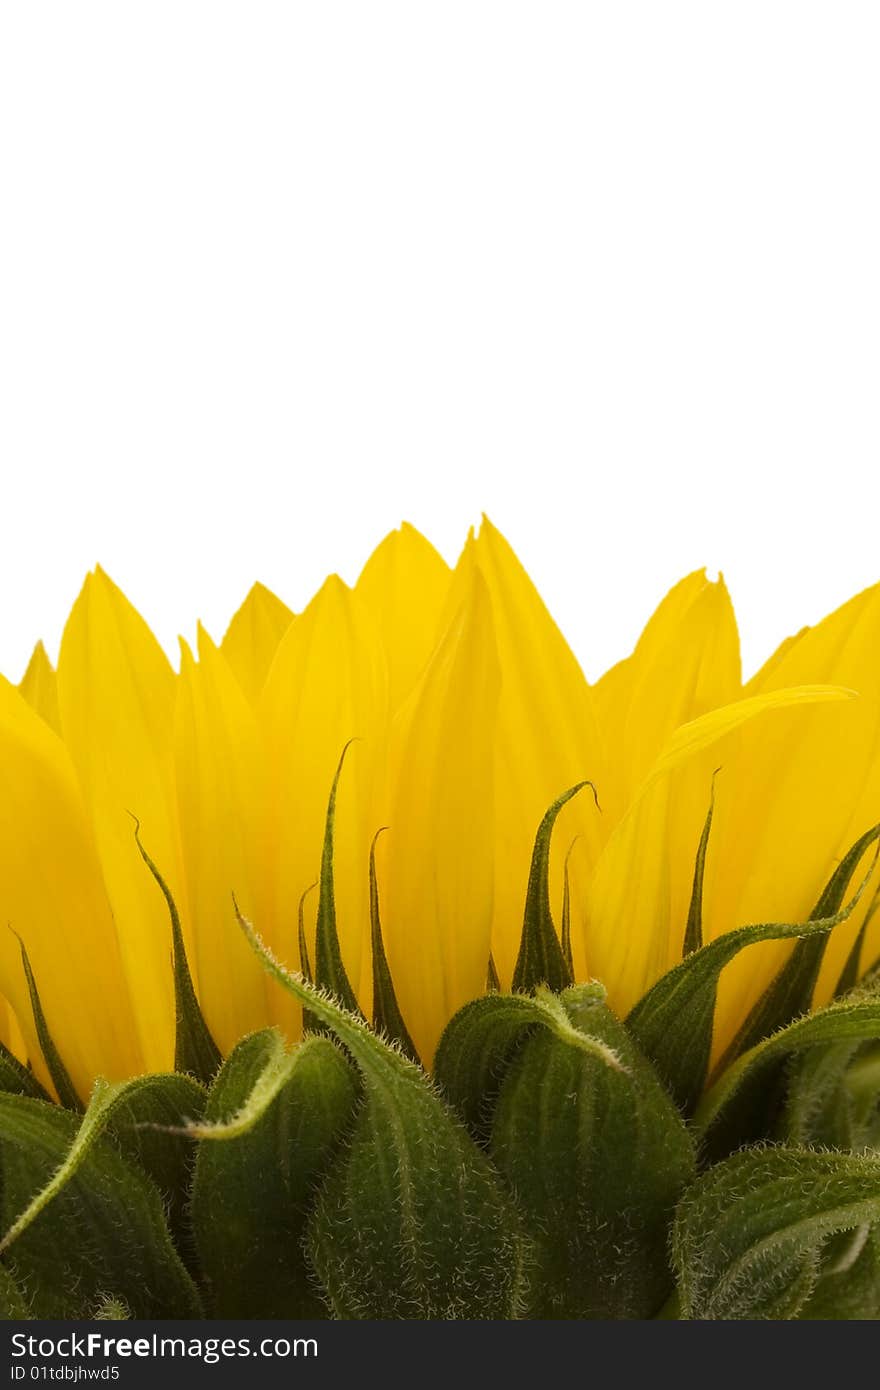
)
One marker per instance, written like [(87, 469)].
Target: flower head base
[(716, 875)]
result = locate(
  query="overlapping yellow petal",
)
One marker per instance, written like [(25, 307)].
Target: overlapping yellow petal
[(252, 638), (116, 693), (52, 897), (10, 1032), (327, 684), (792, 805), (437, 859), (685, 663), (546, 739), (220, 777), (405, 584), (638, 898), (39, 687)]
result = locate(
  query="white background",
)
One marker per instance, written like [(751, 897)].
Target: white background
[(275, 277)]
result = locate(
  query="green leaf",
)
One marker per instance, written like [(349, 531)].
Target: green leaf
[(17, 1078), (387, 1017), (693, 936), (748, 1235), (51, 1056), (80, 1220), (672, 1023), (330, 971), (481, 1040), (412, 1222), (541, 959), (597, 1157), (274, 1120), (790, 994), (726, 1114), (195, 1051)]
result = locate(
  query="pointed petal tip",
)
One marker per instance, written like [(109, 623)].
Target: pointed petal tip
[(37, 662), (261, 593), (407, 535), (334, 589), (186, 653), (204, 640)]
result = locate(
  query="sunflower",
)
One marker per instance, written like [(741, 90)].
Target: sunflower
[(531, 970)]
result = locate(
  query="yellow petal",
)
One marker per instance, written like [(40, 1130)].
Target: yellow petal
[(116, 699), (219, 765), (611, 698), (10, 1032), (638, 899), (39, 687), (790, 813), (760, 680), (252, 638), (685, 663), (52, 895), (327, 684), (404, 584), (546, 739), (437, 859)]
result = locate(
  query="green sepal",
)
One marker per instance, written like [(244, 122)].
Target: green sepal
[(80, 1220), (141, 1113), (597, 1157), (479, 1043), (305, 965), (693, 935), (67, 1093), (851, 972), (111, 1309), (273, 1121), (412, 1221), (862, 1082), (12, 1304), (672, 1023), (330, 972), (566, 911), (741, 1105), (790, 994), (195, 1051), (833, 1097), (17, 1078), (493, 982), (541, 959), (387, 1018), (817, 1111), (748, 1235), (850, 1288)]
